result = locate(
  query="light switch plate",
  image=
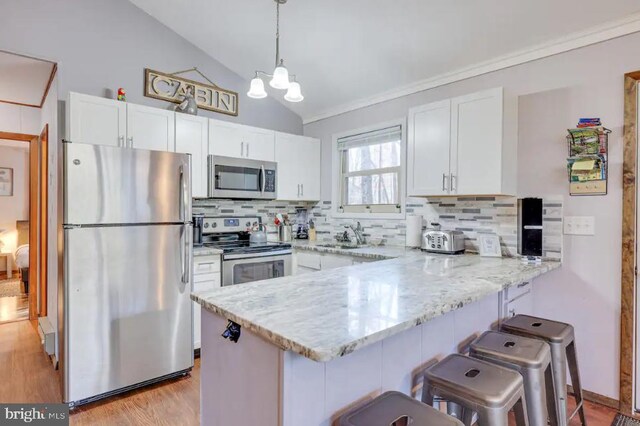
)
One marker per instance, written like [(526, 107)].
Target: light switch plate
[(579, 225)]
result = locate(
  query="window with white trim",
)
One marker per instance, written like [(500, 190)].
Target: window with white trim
[(370, 171)]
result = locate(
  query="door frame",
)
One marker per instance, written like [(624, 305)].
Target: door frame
[(629, 246), (38, 214), (43, 218)]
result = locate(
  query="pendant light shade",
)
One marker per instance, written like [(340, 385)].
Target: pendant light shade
[(256, 91), (280, 78), (294, 94)]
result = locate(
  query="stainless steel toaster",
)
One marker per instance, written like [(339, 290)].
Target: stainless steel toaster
[(448, 242)]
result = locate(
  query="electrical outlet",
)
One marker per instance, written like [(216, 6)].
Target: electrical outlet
[(579, 225)]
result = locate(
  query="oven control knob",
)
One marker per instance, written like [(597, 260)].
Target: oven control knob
[(214, 225), (206, 224), (248, 225)]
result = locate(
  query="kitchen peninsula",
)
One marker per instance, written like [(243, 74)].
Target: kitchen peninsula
[(313, 344)]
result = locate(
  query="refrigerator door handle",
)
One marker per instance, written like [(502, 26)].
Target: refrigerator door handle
[(184, 194), (185, 255)]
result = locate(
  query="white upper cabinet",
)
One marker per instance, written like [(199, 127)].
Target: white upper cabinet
[(192, 138), (428, 149), (310, 163), (298, 159), (464, 146), (150, 128), (95, 120), (286, 153), (260, 143), (236, 140), (476, 143), (225, 139)]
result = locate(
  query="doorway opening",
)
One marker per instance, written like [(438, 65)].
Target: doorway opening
[(28, 108), (23, 240)]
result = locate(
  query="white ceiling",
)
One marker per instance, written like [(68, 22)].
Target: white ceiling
[(345, 52), (23, 80)]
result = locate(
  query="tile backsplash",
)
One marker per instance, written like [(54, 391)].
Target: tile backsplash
[(474, 216)]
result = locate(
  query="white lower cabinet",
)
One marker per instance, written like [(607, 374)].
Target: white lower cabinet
[(206, 276)]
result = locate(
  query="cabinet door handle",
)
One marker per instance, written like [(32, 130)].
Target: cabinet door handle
[(247, 149), (130, 141), (302, 189), (241, 149), (453, 179), (298, 190), (121, 141), (444, 183)]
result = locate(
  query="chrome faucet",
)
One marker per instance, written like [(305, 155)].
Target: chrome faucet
[(358, 231)]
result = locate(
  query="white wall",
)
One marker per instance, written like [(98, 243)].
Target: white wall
[(19, 119), (554, 92), (49, 115), (16, 156), (101, 45)]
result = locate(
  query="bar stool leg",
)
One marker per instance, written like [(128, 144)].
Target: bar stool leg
[(455, 410), (552, 406), (467, 417), (575, 381), (520, 411), (488, 417), (559, 366), (427, 395)]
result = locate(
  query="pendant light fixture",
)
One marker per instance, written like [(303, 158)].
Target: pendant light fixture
[(280, 77)]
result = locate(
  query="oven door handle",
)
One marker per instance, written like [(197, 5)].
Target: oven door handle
[(264, 178), (256, 255)]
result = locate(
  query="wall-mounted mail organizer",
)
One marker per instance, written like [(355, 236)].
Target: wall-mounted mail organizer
[(587, 165)]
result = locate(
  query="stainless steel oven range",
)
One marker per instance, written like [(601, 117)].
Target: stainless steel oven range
[(243, 262)]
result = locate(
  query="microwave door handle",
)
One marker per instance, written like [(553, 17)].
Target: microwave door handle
[(264, 178)]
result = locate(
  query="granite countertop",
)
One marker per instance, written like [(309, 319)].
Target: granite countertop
[(328, 314), (206, 251), (371, 252)]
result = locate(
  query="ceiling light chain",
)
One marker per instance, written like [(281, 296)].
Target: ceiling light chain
[(280, 76)]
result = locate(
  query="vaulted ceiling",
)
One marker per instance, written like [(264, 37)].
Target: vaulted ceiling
[(347, 53), (24, 80)]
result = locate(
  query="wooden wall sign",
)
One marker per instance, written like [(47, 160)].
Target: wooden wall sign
[(171, 88)]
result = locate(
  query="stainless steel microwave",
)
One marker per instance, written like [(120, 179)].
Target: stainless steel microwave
[(242, 178)]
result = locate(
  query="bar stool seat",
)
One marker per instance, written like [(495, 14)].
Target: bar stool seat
[(532, 359), (561, 339), (396, 409), (479, 387)]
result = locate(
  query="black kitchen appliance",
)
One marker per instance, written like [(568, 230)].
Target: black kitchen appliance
[(530, 229), (198, 224)]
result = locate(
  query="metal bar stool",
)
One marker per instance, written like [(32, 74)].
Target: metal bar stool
[(479, 387), (532, 359), (396, 409), (561, 340)]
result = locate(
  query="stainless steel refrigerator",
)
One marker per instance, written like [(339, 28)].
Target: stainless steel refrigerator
[(125, 317)]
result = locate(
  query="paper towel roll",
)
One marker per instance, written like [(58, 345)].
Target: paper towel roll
[(414, 230)]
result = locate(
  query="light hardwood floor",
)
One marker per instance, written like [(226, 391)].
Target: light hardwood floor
[(26, 375)]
